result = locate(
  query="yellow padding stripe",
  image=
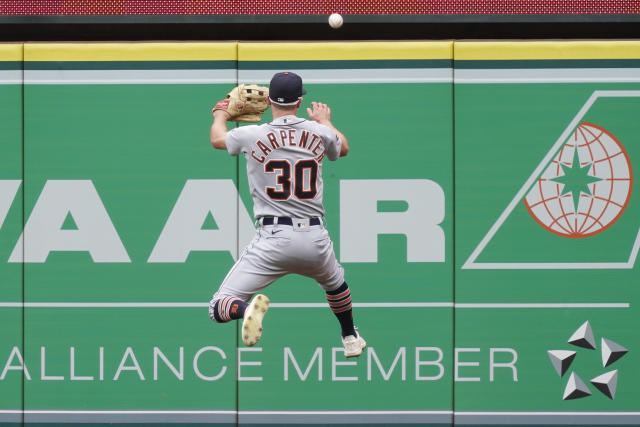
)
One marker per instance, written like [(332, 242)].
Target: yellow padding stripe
[(344, 51), (11, 52), (129, 51), (547, 50)]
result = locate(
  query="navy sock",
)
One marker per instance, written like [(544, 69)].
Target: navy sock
[(228, 308), (340, 303)]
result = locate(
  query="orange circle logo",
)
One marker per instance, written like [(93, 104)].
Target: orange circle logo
[(586, 187)]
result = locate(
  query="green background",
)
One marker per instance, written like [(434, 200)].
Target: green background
[(11, 275), (140, 143)]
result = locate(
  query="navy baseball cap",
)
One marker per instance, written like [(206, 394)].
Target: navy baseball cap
[(286, 88)]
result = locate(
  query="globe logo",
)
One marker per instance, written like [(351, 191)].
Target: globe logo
[(585, 188)]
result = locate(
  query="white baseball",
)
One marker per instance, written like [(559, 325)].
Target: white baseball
[(335, 20)]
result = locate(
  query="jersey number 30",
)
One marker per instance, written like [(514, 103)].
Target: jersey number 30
[(304, 180)]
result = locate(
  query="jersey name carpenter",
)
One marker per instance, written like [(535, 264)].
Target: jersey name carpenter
[(288, 138)]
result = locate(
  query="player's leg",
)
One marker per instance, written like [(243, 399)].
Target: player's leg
[(231, 302), (329, 274), (225, 309), (250, 274), (340, 303)]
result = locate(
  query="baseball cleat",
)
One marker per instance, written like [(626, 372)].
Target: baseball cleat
[(252, 322), (353, 346)]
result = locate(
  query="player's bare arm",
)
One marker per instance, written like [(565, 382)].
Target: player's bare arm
[(218, 132), (321, 113)]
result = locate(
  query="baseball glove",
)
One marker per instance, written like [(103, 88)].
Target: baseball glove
[(245, 103)]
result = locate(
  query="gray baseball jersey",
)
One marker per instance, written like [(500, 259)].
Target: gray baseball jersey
[(284, 164), (284, 168)]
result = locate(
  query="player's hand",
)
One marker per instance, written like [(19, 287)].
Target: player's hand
[(319, 112)]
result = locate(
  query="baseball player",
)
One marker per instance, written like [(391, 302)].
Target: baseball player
[(284, 169)]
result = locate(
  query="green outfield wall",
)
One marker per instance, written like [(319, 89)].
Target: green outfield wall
[(486, 218), (11, 221)]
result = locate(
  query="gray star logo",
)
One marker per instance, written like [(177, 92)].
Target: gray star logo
[(561, 360)]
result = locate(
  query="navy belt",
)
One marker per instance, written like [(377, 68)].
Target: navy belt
[(270, 220)]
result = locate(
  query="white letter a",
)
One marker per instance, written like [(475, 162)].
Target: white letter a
[(43, 231), (183, 231)]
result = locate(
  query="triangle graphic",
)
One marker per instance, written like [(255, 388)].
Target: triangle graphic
[(561, 360), (209, 223), (611, 351), (583, 337), (607, 383), (576, 388), (69, 223), (626, 253)]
